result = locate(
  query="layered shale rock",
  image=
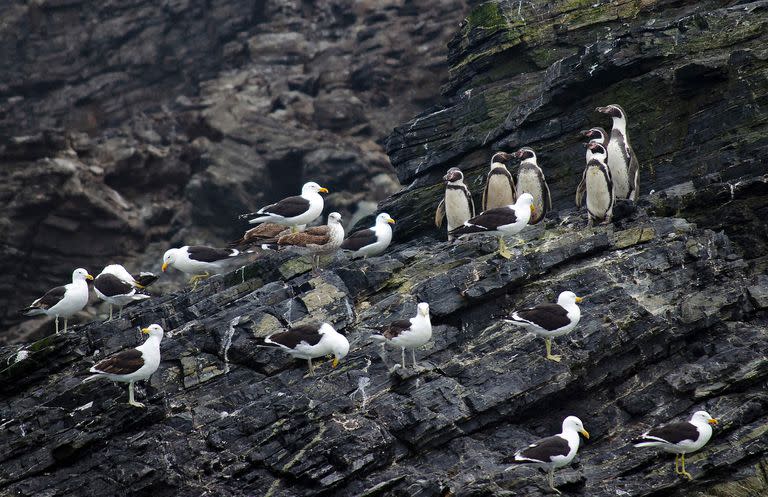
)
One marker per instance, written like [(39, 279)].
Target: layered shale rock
[(674, 320)]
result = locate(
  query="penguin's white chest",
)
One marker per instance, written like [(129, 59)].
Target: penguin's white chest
[(528, 182), (598, 194), (499, 192), (619, 169), (457, 209)]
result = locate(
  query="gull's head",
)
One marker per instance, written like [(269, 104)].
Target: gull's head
[(334, 218), (169, 258), (81, 274), (312, 187), (526, 154), (340, 344), (568, 298), (525, 200), (384, 218), (703, 417), (572, 423), (153, 330), (613, 110), (453, 174), (423, 309)]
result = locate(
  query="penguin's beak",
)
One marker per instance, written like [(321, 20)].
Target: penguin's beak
[(335, 362), (145, 331), (579, 300), (323, 190), (712, 421), (391, 221), (165, 266), (585, 433), (88, 277), (602, 110)]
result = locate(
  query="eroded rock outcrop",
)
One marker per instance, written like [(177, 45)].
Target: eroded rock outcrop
[(674, 320)]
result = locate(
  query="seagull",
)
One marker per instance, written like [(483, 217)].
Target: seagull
[(316, 240), (132, 365), (680, 438), (554, 452), (550, 320), (199, 260), (508, 220), (408, 333), (310, 342), (112, 287), (293, 211), (62, 301), (371, 241)]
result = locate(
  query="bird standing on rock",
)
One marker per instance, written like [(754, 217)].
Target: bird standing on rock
[(293, 211), (200, 261), (530, 179), (680, 438), (132, 365), (457, 204), (371, 241), (550, 320), (316, 240), (408, 333), (554, 452), (310, 342), (501, 221), (62, 301), (625, 169), (115, 286), (499, 184), (598, 186)]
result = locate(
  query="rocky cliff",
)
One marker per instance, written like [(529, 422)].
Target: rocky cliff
[(676, 315), (128, 127)]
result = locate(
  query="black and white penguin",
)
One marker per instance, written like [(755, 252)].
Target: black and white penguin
[(530, 179), (457, 205), (622, 161), (592, 135), (499, 185), (598, 185)]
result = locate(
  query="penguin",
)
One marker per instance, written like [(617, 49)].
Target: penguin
[(499, 185), (600, 197), (592, 135), (457, 205), (621, 158), (530, 179)]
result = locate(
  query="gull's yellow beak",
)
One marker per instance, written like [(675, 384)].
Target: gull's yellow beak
[(145, 331), (579, 299), (335, 362), (88, 277), (712, 421), (585, 433), (323, 190), (391, 221), (533, 209), (165, 266)]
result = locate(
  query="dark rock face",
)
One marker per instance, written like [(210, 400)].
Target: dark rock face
[(674, 321), (130, 127)]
